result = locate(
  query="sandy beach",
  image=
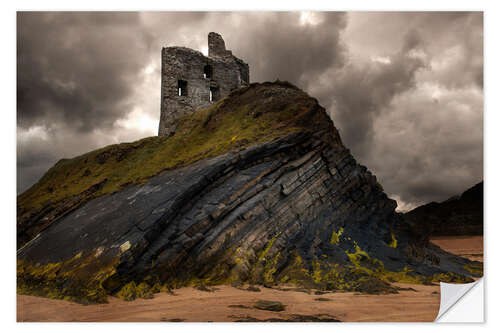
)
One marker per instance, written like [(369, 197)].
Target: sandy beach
[(470, 247), (226, 303)]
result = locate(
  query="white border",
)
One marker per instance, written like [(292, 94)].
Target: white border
[(8, 136)]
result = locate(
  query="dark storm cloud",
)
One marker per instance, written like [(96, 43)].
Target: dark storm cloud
[(429, 148), (401, 87), (460, 35), (284, 45), (408, 101), (34, 157), (280, 45), (79, 69), (76, 68), (360, 93)]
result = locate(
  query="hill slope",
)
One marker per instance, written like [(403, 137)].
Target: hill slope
[(457, 216), (211, 132), (259, 189)]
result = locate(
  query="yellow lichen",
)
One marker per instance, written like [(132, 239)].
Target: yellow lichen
[(394, 241), (128, 292), (317, 273), (357, 255), (268, 246), (475, 268), (336, 236), (78, 279), (270, 269)]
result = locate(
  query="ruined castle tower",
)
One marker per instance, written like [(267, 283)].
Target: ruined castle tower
[(190, 81)]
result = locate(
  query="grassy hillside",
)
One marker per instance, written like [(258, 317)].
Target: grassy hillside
[(234, 122)]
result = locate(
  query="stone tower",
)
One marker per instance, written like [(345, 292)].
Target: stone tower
[(190, 81)]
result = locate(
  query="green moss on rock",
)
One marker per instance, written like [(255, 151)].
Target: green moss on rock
[(79, 279)]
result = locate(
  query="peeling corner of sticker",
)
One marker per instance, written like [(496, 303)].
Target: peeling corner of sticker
[(451, 294)]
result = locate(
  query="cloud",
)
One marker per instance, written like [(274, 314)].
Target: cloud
[(402, 88), (361, 92), (288, 47), (77, 69), (429, 148), (411, 89)]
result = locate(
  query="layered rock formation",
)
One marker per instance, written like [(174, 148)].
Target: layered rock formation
[(276, 199), (458, 216)]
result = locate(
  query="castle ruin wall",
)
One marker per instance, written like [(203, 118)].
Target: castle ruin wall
[(192, 81)]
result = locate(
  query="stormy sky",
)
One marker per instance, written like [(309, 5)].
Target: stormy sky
[(405, 90)]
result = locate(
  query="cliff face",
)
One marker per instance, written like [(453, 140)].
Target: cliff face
[(457, 216), (283, 202)]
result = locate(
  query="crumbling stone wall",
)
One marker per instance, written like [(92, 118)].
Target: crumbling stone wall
[(203, 80)]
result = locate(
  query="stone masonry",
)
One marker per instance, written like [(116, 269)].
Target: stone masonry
[(190, 80)]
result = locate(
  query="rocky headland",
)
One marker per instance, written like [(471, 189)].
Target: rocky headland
[(257, 189), (461, 215)]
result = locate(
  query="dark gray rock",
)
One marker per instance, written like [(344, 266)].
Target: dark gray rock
[(269, 306), (460, 215)]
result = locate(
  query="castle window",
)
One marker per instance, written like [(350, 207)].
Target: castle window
[(182, 87), (207, 72), (214, 94)]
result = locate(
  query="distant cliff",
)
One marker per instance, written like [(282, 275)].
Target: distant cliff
[(459, 215), (256, 189)]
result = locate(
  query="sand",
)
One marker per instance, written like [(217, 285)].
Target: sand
[(190, 304), (470, 247)]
